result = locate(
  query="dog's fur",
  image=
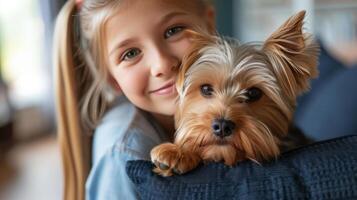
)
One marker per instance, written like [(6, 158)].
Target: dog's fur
[(250, 90)]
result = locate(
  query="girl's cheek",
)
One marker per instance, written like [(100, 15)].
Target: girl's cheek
[(133, 80)]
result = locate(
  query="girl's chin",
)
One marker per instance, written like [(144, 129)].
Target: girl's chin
[(168, 111), (167, 108)]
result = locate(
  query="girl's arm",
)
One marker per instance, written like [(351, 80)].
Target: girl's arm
[(108, 179)]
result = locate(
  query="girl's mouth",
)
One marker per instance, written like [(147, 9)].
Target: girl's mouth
[(166, 89)]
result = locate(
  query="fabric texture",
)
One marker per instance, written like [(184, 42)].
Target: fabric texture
[(125, 133), (324, 170)]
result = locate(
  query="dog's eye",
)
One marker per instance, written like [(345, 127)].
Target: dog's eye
[(206, 90), (253, 94)]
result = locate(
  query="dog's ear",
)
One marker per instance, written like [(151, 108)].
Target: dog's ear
[(199, 40), (293, 56)]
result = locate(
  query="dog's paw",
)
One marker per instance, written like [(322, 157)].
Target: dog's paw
[(169, 159), (165, 157)]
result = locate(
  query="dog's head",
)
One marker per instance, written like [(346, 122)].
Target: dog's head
[(237, 101)]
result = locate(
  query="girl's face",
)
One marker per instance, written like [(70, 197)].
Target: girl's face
[(145, 47)]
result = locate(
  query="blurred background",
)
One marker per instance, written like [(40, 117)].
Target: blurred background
[(29, 157)]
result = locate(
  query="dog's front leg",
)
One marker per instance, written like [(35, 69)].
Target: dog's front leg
[(171, 158)]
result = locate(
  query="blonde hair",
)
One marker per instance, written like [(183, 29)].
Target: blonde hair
[(82, 89)]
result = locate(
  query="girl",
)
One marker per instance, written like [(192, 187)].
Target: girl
[(116, 64)]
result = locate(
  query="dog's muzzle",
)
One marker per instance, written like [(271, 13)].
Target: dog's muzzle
[(222, 127)]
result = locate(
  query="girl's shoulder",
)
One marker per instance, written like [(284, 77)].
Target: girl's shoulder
[(128, 130)]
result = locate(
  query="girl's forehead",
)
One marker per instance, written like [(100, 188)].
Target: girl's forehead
[(188, 5), (134, 18), (133, 12)]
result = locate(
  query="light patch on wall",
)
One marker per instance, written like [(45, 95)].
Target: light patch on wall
[(22, 36)]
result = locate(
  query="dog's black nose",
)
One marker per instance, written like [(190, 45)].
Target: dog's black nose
[(222, 127)]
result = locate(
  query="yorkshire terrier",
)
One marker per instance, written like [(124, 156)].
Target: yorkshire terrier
[(236, 102)]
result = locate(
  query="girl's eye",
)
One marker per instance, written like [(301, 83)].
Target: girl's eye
[(253, 94), (172, 31), (206, 90), (130, 54)]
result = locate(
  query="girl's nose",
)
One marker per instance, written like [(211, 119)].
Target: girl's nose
[(164, 63)]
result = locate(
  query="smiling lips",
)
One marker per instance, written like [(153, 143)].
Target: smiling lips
[(166, 89)]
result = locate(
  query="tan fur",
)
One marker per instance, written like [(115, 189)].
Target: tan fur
[(281, 68)]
